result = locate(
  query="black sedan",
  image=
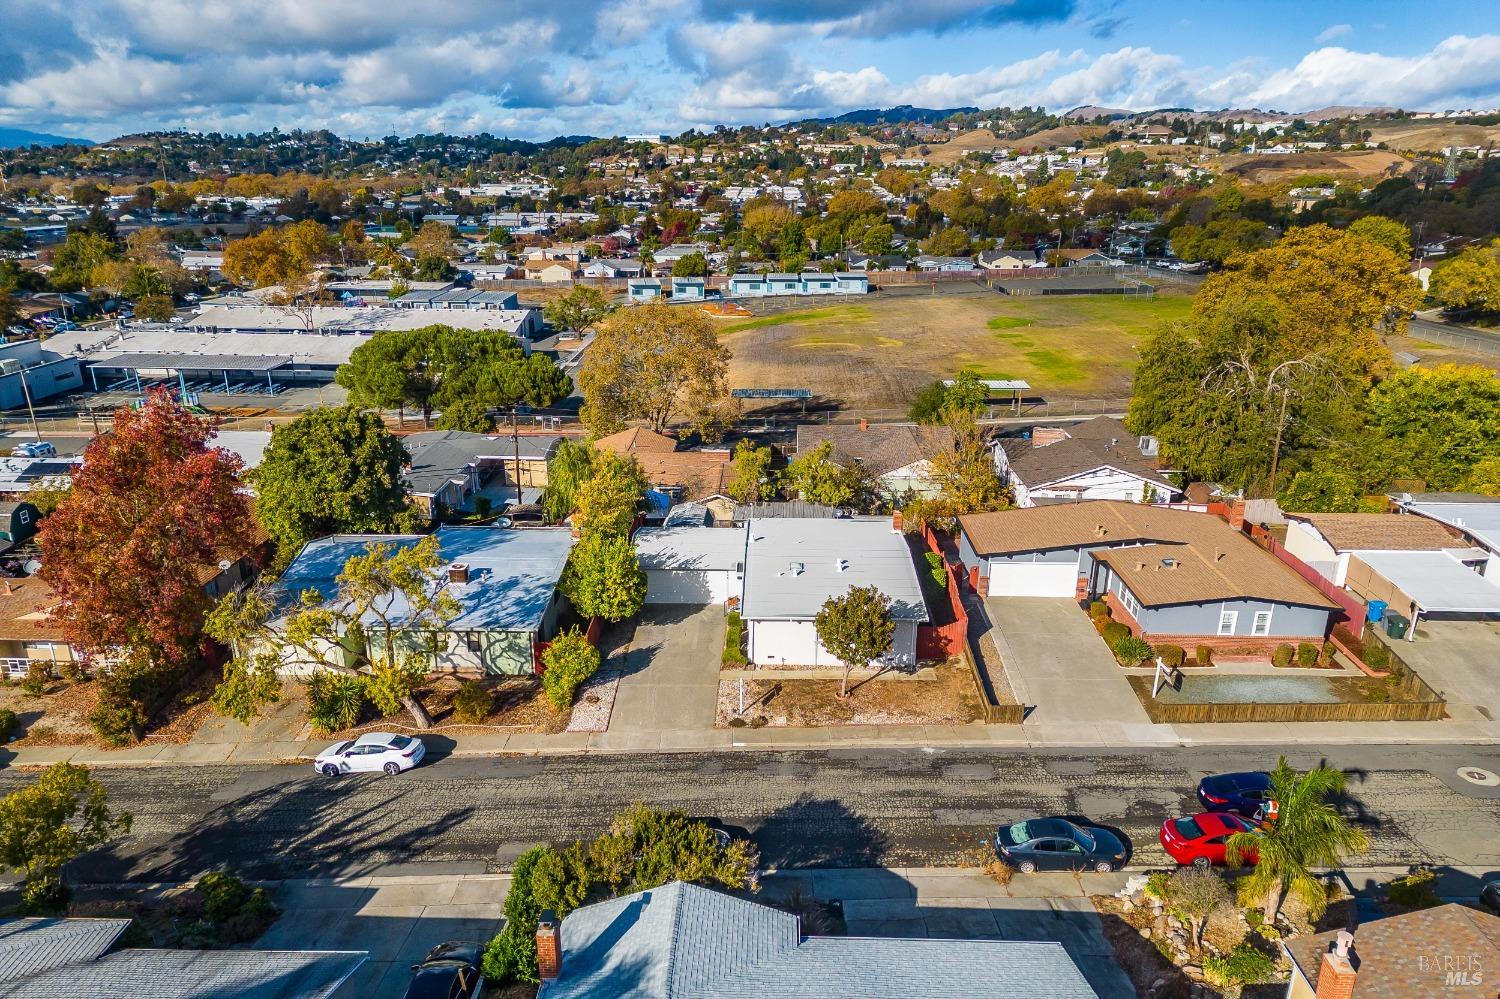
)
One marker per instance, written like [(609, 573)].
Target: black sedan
[(450, 971), (1241, 793), (1056, 844)]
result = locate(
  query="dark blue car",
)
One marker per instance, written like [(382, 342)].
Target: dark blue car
[(1241, 793)]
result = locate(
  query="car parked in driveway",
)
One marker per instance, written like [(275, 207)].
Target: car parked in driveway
[(1058, 844), (1242, 793), (372, 752), (450, 971), (1200, 840)]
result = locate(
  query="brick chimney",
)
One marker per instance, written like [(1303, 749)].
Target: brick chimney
[(897, 523), (458, 572), (548, 947), (1237, 514), (864, 424), (1336, 976)]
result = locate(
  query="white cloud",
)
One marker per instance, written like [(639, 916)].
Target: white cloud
[(1333, 31), (1458, 69)]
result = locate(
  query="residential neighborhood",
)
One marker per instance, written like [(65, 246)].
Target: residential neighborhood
[(985, 500)]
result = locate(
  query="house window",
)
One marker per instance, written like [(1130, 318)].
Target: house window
[(475, 641), (1262, 625), (1131, 603), (1228, 620)]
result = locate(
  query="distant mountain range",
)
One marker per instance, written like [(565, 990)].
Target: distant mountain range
[(16, 138), (1090, 112), (904, 114)]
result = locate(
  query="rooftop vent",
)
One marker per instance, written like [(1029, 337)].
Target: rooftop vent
[(842, 565), (796, 568)]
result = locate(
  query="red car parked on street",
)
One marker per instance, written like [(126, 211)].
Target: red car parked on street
[(1199, 839)]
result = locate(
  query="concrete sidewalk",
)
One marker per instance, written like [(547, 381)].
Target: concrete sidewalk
[(1032, 735)]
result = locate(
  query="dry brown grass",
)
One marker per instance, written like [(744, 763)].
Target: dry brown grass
[(1431, 136), (943, 695), (60, 717), (519, 705), (1268, 169)]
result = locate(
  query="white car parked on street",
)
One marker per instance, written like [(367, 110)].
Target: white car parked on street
[(371, 753)]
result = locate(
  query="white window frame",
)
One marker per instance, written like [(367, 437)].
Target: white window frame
[(1130, 603), (1260, 625), (1234, 622)]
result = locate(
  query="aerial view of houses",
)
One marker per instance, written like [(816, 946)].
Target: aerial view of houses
[(970, 499)]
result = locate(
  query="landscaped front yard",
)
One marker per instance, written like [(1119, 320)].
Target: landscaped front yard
[(59, 716)]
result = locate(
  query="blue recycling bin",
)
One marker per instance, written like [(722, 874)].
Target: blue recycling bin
[(1375, 612)]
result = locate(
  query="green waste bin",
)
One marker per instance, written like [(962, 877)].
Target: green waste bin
[(1396, 625)]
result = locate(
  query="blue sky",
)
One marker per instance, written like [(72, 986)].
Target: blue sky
[(99, 68)]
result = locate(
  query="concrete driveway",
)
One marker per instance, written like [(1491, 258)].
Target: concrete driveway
[(1459, 659), (1057, 662), (671, 672)]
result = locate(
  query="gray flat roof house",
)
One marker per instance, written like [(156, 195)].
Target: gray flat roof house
[(682, 940), (504, 579), (71, 958), (450, 468)]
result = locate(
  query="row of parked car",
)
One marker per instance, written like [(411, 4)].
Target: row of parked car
[(1233, 803)]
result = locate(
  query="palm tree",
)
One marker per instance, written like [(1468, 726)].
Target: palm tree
[(1308, 833)]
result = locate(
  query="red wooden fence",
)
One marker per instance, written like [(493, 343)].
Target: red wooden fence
[(940, 641), (1354, 610)]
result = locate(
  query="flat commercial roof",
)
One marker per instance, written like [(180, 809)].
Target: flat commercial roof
[(793, 565), (193, 362), (102, 346), (1437, 583)]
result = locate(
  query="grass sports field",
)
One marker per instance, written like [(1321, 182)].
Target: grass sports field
[(878, 353)]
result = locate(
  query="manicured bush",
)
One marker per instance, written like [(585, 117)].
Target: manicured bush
[(1131, 651), (35, 681), (1098, 609), (1102, 622), (334, 701), (118, 722), (1245, 965), (1115, 632), (7, 724), (1415, 890), (473, 702), (1204, 655), (1171, 655), (222, 894), (568, 661), (1307, 654), (1283, 655)]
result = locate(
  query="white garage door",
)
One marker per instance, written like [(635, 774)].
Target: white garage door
[(1033, 579), (687, 586)]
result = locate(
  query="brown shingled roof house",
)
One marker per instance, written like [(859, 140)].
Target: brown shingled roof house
[(1171, 575), (896, 455), (679, 476), (1095, 459), (1451, 950)]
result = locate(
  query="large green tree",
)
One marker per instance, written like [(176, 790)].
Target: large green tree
[(604, 578), (1470, 281), (329, 471), (579, 309), (749, 472), (1434, 424), (46, 824), (571, 466), (1309, 834), (441, 368), (607, 501), (817, 478)]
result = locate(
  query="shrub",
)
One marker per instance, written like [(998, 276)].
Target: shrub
[(1204, 655), (473, 702), (482, 506), (568, 661), (1171, 655), (1098, 609), (1115, 632), (734, 640), (1283, 655), (1131, 651), (1328, 650), (35, 681), (1242, 966), (1225, 929), (1415, 890), (223, 894), (70, 670), (118, 722), (1101, 623), (1376, 655), (511, 954), (1307, 654), (334, 701), (7, 724)]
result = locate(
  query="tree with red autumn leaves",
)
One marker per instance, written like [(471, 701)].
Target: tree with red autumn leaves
[(150, 515)]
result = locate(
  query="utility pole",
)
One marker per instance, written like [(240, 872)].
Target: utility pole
[(515, 441), (26, 390)]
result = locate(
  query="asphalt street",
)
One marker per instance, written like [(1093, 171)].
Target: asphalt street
[(851, 808)]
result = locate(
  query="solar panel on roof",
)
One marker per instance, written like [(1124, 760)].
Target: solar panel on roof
[(771, 393)]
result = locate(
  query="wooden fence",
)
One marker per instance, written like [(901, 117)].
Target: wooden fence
[(1353, 609), (1384, 711)]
